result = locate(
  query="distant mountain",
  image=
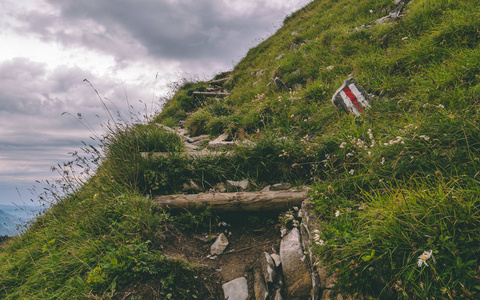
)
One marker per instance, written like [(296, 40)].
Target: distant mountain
[(11, 216)]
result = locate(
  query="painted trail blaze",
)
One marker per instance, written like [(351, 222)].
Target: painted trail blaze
[(351, 97)]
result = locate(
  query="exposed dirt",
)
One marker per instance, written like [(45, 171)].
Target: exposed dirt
[(248, 236)]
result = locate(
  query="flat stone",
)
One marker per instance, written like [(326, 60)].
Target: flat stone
[(259, 286), (268, 267), (242, 184), (221, 143), (236, 289), (219, 245), (281, 186), (351, 97), (295, 270)]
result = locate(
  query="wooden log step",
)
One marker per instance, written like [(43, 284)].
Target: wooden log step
[(190, 154), (220, 80), (212, 93), (234, 202)]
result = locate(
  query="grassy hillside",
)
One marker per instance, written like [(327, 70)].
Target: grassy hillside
[(398, 181)]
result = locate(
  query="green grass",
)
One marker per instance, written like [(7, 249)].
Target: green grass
[(403, 177)]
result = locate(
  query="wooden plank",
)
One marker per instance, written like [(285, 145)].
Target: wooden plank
[(191, 154), (212, 93), (234, 202)]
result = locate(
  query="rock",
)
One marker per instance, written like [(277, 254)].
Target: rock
[(281, 186), (351, 97), (220, 245), (278, 295), (236, 289), (220, 143), (268, 267), (266, 189), (295, 271), (276, 259), (259, 286), (279, 84), (260, 73), (192, 186), (243, 184), (279, 57), (294, 33), (220, 187)]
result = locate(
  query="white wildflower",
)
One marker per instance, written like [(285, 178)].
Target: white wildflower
[(441, 106), (351, 171), (337, 213), (349, 154), (321, 243), (342, 145), (422, 259), (382, 161)]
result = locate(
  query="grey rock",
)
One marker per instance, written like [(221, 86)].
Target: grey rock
[(220, 142), (242, 184), (280, 56), (294, 33), (276, 259), (259, 286), (220, 187), (266, 189), (281, 186), (278, 295), (351, 97), (260, 73), (295, 270), (268, 267), (236, 289), (192, 186), (279, 84), (219, 245)]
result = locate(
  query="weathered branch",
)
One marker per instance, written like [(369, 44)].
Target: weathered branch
[(234, 202)]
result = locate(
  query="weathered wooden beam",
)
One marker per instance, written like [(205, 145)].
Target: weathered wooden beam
[(212, 93), (191, 154), (234, 202), (220, 80)]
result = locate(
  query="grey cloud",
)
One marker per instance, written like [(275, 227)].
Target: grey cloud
[(181, 30)]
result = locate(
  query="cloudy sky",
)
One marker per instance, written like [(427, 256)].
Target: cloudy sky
[(129, 50)]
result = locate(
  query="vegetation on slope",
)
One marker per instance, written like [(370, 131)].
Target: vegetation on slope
[(390, 185)]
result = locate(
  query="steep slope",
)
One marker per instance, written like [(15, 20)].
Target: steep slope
[(396, 189)]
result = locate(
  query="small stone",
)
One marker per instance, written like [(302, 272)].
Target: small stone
[(192, 186), (243, 184), (266, 189), (236, 289), (220, 245), (279, 84), (280, 56), (276, 259), (281, 186), (259, 286), (278, 295), (220, 187), (268, 267)]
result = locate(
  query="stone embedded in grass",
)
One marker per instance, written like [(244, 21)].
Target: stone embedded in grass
[(236, 289), (220, 245), (281, 186), (351, 97), (242, 184)]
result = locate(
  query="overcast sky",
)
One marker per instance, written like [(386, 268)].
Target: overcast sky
[(124, 48)]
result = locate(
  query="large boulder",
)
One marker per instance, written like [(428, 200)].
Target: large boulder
[(294, 265)]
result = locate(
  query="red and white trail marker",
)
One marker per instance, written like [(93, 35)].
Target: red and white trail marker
[(351, 97)]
